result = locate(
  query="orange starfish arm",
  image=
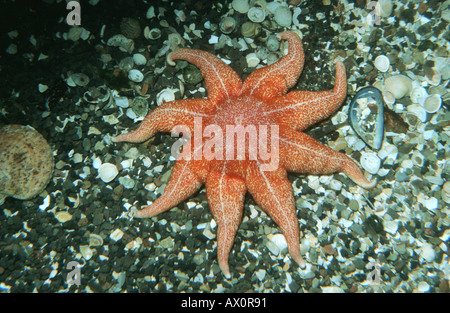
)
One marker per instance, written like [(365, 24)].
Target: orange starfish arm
[(165, 117), (301, 153), (276, 79), (301, 109), (273, 192), (186, 179), (226, 201), (221, 80)]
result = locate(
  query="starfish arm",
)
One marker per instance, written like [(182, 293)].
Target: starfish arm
[(226, 200), (273, 192), (301, 153), (186, 179), (276, 79), (220, 79), (165, 117), (301, 109)]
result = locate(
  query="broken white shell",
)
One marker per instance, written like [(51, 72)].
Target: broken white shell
[(165, 95), (252, 60)]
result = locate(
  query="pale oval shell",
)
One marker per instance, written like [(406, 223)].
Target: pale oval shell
[(241, 6), (433, 103), (139, 59), (165, 95), (107, 172), (370, 162), (135, 76), (256, 14), (382, 63), (283, 16)]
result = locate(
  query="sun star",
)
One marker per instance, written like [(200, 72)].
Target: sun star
[(267, 122)]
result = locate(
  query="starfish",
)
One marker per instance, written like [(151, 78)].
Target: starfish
[(247, 110)]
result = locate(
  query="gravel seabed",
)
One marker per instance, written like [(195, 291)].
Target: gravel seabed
[(393, 238)]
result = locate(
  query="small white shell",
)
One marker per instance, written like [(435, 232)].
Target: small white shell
[(382, 63), (283, 16), (107, 172), (139, 59), (135, 76), (256, 14), (252, 60), (433, 103), (398, 85), (370, 162), (241, 6)]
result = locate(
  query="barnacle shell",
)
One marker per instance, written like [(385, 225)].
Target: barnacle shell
[(152, 34), (139, 105), (26, 162)]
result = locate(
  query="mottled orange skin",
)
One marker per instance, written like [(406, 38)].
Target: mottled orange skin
[(262, 99)]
